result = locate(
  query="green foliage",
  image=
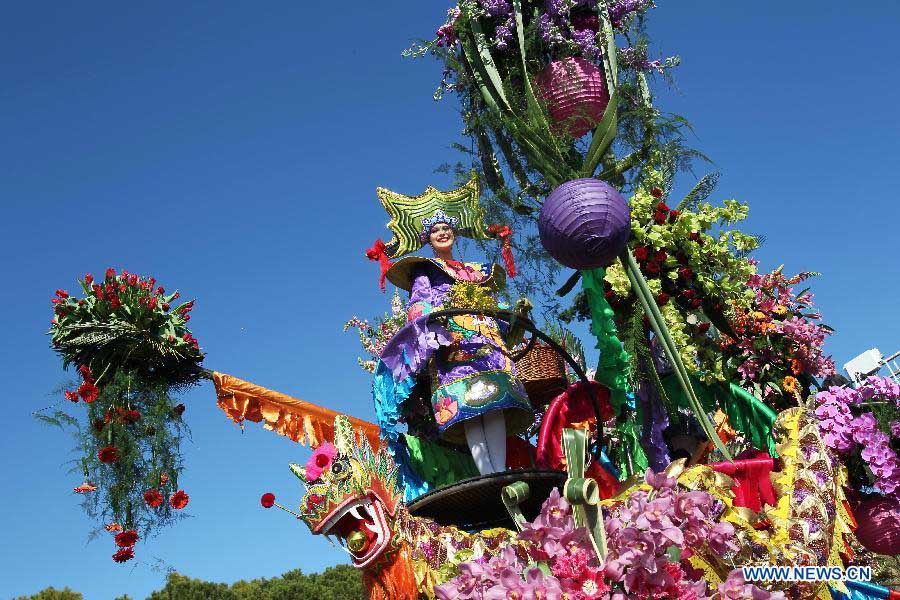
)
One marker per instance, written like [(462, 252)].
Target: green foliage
[(52, 593), (342, 582)]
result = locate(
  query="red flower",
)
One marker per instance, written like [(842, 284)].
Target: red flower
[(609, 295), (122, 287), (689, 293), (186, 316), (267, 500), (641, 253), (652, 268), (695, 237), (661, 207), (656, 192), (660, 217), (153, 498), (696, 303), (126, 538), (71, 396), (160, 290), (109, 454), (673, 215), (88, 278), (123, 555), (55, 301), (132, 280), (178, 410), (179, 500), (62, 294), (703, 326), (662, 299), (176, 296), (133, 416), (171, 338), (686, 272), (88, 391), (165, 306), (85, 372), (110, 273), (660, 256)]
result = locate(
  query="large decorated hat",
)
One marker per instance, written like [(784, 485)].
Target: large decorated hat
[(412, 217)]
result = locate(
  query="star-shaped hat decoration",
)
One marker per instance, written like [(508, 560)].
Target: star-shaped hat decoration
[(408, 213)]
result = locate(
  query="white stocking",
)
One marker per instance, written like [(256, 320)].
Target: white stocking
[(486, 436)]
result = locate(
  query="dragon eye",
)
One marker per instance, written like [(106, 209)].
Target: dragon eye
[(340, 468)]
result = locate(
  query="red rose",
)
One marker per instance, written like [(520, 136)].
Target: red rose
[(696, 303), (110, 273), (673, 215), (660, 217), (109, 454), (62, 294), (176, 296), (88, 391), (55, 301), (123, 555), (695, 237), (171, 338), (160, 290), (122, 287), (267, 500), (656, 192), (132, 280), (153, 498), (85, 372), (652, 268), (689, 293), (660, 256), (186, 317), (165, 306), (88, 278), (662, 299), (126, 538), (686, 272), (703, 326), (661, 207), (178, 410), (179, 500), (71, 396), (641, 253)]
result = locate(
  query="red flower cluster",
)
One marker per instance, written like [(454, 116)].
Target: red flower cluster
[(153, 498), (123, 555), (126, 538), (88, 391), (179, 500), (108, 454)]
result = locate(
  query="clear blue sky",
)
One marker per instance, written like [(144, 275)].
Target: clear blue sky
[(232, 150)]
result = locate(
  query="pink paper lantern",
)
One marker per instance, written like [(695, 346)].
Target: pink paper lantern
[(576, 94), (879, 524)]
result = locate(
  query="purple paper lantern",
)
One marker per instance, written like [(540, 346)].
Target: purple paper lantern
[(584, 224), (879, 524)]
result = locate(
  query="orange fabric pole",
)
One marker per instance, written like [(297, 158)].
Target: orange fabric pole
[(303, 422)]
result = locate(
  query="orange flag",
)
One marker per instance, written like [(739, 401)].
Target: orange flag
[(301, 421)]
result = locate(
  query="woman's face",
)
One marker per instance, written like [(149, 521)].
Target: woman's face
[(441, 237)]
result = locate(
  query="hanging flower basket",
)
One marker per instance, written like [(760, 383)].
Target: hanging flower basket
[(576, 95)]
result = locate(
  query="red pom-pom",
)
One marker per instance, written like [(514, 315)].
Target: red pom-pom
[(267, 500)]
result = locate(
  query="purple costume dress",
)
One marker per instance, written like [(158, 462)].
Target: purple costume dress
[(473, 374)]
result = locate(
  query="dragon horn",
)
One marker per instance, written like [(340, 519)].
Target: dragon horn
[(299, 471)]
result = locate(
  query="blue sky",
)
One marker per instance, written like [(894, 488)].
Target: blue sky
[(233, 152)]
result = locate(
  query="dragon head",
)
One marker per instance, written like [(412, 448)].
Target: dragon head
[(351, 493)]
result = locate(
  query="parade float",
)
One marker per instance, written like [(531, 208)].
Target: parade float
[(496, 462)]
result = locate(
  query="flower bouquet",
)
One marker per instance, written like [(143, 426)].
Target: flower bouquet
[(374, 337), (776, 347), (132, 347)]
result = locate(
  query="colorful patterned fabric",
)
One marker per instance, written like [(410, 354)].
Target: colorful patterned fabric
[(474, 373)]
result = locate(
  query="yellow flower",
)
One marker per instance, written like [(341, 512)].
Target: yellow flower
[(759, 316), (790, 385), (780, 310)]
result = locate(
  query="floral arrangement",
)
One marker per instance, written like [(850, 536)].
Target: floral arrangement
[(127, 321), (132, 348), (869, 437), (374, 337), (777, 346), (650, 536)]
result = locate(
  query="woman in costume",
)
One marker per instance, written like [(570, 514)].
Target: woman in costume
[(476, 396)]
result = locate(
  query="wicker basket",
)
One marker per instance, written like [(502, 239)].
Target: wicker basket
[(543, 372)]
